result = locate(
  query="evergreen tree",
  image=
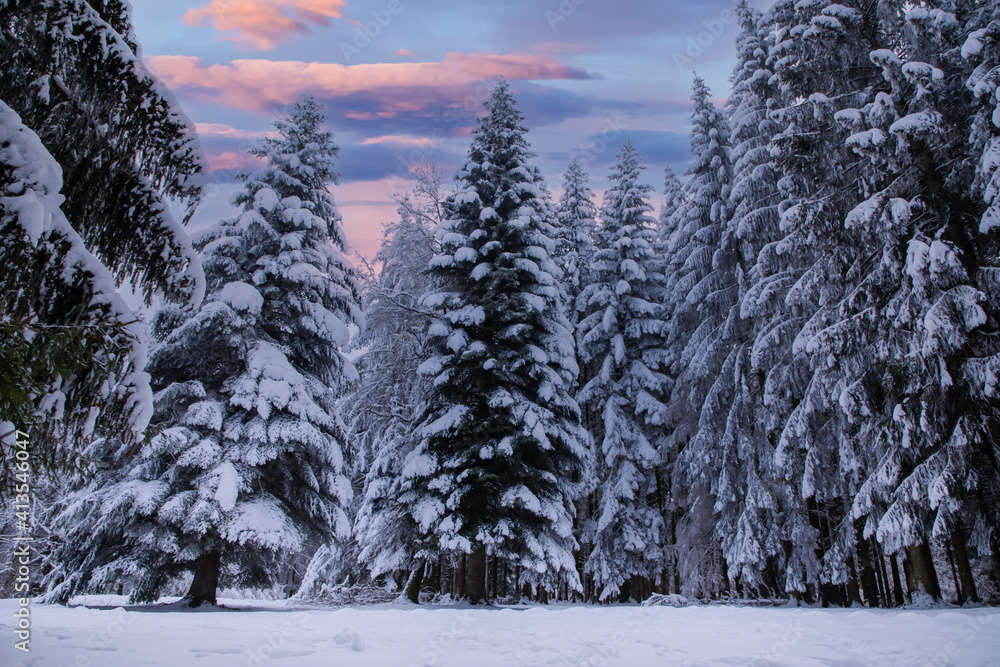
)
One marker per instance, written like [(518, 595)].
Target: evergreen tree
[(248, 463), (917, 319), (57, 294), (746, 507), (383, 408), (577, 220), (692, 351), (502, 455), (810, 272), (623, 333), (673, 199), (982, 50), (69, 70)]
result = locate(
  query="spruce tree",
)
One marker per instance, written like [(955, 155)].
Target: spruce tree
[(692, 351), (248, 462), (982, 51), (70, 72), (577, 220), (673, 198), (622, 333), (746, 508), (922, 317), (382, 411), (71, 358), (810, 273), (502, 455)]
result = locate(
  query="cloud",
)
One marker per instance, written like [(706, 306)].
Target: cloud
[(406, 53), (264, 23), (229, 132), (260, 84), (399, 140), (393, 163), (232, 160)]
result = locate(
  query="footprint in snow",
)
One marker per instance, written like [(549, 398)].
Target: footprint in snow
[(350, 638)]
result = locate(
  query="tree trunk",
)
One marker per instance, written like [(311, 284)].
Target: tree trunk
[(922, 567), (880, 577), (433, 581), (897, 586), (959, 598), (414, 582), (868, 576), (206, 580), (908, 574), (853, 588), (492, 591), (458, 587), (995, 553), (504, 593), (475, 576), (968, 582), (883, 574)]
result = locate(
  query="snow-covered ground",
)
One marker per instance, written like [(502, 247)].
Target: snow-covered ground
[(258, 634)]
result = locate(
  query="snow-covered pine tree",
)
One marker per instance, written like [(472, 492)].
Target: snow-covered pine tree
[(820, 59), (248, 462), (918, 319), (692, 247), (502, 454), (673, 198), (623, 334), (55, 293), (69, 71), (576, 216), (383, 408), (734, 419), (982, 49), (689, 344)]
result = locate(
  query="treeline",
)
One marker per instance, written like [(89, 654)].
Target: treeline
[(785, 384), (789, 378)]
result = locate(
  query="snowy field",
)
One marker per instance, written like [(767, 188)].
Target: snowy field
[(255, 634)]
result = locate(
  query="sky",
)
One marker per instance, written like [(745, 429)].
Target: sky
[(403, 81)]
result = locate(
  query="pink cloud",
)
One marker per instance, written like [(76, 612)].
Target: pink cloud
[(232, 160), (258, 84), (264, 23), (399, 140), (406, 53), (229, 132)]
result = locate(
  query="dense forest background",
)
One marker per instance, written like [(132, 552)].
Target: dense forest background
[(783, 384)]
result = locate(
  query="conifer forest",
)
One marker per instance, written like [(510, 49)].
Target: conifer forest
[(771, 380)]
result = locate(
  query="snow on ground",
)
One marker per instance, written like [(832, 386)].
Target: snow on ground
[(258, 634)]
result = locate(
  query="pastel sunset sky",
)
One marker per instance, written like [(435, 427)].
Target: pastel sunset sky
[(403, 81)]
